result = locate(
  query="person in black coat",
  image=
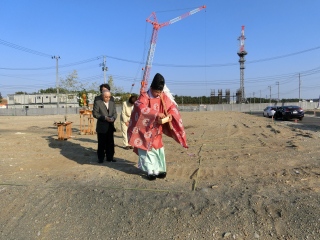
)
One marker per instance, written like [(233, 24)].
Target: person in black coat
[(105, 112), (103, 87)]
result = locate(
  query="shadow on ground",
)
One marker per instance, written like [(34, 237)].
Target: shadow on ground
[(87, 155)]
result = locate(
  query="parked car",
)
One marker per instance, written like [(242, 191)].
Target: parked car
[(289, 112), (269, 111)]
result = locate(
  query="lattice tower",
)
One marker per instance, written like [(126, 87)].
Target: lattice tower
[(241, 53)]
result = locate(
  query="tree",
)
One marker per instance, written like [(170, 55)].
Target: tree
[(70, 83), (0, 97), (110, 82), (113, 88), (52, 90)]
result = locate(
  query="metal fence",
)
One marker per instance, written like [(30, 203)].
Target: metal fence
[(184, 108), (245, 107), (37, 111)]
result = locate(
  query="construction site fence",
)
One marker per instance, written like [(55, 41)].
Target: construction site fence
[(307, 106), (251, 107)]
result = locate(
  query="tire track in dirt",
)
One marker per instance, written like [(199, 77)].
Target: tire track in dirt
[(21, 208), (224, 156)]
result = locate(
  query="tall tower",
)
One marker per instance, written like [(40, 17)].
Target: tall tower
[(241, 53)]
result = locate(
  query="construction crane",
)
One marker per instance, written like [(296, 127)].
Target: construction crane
[(156, 26)]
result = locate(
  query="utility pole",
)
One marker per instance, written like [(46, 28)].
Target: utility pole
[(277, 83), (104, 69), (299, 87), (260, 96), (270, 94), (57, 80)]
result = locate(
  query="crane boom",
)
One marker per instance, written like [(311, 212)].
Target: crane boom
[(182, 16), (153, 42)]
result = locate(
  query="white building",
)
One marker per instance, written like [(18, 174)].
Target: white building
[(44, 100)]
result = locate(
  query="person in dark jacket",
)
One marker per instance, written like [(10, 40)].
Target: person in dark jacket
[(105, 112), (103, 87)]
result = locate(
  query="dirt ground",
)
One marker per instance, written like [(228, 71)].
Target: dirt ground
[(242, 177)]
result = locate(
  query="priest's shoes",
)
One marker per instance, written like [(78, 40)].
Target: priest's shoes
[(162, 175), (151, 177)]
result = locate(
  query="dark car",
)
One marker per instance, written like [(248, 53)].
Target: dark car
[(289, 112)]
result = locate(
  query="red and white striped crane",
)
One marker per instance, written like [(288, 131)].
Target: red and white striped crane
[(154, 37)]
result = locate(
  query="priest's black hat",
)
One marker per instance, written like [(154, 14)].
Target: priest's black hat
[(158, 82)]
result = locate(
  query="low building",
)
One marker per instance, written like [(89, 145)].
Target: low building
[(45, 100)]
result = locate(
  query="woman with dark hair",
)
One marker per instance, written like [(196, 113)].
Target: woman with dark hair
[(127, 107)]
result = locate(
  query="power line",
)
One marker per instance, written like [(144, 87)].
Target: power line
[(222, 64), (60, 66), (159, 64), (283, 56), (82, 62), (282, 78), (17, 47)]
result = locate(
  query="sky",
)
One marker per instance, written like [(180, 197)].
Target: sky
[(196, 55)]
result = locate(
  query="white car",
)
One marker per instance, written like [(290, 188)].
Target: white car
[(269, 111)]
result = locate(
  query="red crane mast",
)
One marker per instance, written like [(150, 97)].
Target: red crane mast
[(156, 26)]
